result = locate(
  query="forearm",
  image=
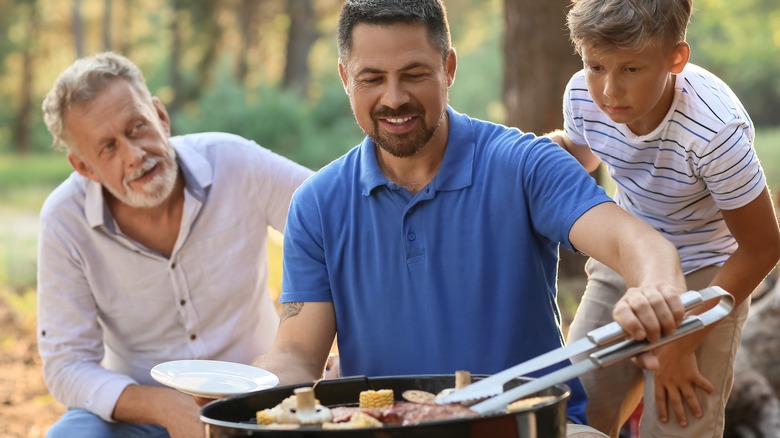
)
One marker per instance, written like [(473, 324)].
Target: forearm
[(291, 367), (152, 405)]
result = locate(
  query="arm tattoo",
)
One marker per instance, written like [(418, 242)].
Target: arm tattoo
[(289, 310)]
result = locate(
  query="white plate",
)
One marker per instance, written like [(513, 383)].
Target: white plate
[(213, 378)]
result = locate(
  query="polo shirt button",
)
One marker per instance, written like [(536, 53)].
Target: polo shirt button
[(411, 236), (193, 337), (409, 211)]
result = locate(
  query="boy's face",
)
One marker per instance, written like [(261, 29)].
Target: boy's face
[(634, 88)]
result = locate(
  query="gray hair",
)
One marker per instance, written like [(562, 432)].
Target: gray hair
[(628, 24), (82, 82), (431, 13)]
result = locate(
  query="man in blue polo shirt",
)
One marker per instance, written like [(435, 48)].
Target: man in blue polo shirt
[(433, 246)]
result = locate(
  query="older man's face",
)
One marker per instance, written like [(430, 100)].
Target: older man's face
[(120, 140)]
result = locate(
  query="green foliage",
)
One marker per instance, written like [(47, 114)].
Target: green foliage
[(767, 141), (740, 42), (32, 170), (311, 133)]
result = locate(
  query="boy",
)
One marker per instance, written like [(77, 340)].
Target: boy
[(679, 146)]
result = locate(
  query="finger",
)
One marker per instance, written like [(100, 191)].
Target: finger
[(676, 403), (660, 403), (692, 400), (662, 309), (705, 385), (647, 360), (625, 313), (645, 312)]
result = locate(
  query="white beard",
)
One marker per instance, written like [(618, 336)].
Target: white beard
[(155, 191)]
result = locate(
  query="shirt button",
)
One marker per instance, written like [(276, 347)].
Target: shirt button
[(411, 236), (183, 302), (193, 337), (173, 265), (409, 211)]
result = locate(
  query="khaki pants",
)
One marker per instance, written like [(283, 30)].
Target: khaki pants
[(615, 391)]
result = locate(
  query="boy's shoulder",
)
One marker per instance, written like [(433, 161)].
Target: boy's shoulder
[(703, 93)]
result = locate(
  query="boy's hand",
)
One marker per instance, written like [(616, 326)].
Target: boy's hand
[(676, 381)]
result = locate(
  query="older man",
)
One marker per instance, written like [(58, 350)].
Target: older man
[(153, 250)]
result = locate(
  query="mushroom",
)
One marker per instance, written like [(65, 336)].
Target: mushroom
[(301, 408), (462, 379)]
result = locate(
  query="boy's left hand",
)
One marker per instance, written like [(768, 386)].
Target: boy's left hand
[(676, 381)]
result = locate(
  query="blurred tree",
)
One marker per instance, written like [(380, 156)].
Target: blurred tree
[(23, 122), (196, 34), (77, 27), (538, 62), (301, 35), (107, 17), (248, 23)]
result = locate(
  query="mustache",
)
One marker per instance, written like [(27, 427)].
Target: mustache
[(147, 165), (403, 110)]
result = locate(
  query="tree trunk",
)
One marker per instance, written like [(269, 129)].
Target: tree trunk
[(300, 37), (174, 74), (77, 27), (538, 62), (23, 119), (247, 19), (107, 17)]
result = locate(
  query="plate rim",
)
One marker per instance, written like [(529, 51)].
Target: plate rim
[(161, 374)]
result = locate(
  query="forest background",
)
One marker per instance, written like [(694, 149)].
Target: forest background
[(266, 70)]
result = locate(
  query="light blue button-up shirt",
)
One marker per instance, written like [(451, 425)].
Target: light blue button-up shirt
[(110, 309)]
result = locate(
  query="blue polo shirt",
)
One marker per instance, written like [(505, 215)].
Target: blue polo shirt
[(461, 275)]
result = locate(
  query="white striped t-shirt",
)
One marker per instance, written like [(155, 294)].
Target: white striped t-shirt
[(699, 160)]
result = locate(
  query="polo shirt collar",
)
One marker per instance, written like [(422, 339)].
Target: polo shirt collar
[(198, 176), (457, 165)]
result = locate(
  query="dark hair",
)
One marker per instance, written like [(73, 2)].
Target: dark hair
[(431, 13)]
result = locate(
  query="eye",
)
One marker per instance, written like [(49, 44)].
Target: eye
[(138, 126), (107, 148), (595, 68), (632, 69)]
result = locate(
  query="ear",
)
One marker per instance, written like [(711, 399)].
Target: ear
[(343, 75), (680, 56), (81, 167), (451, 64), (162, 113)]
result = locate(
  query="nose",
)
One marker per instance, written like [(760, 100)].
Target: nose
[(612, 87), (133, 154), (395, 95)]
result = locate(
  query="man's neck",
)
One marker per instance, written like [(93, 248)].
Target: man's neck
[(415, 172), (157, 227)]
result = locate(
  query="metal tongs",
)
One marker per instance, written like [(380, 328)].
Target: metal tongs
[(605, 345)]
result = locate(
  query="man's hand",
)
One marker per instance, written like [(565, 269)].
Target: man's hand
[(649, 312), (676, 381), (173, 410)]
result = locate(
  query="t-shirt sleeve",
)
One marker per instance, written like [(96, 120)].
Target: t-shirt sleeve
[(574, 97), (558, 190), (305, 272), (730, 167)]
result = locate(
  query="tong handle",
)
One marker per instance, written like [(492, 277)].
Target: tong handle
[(629, 348), (611, 332)]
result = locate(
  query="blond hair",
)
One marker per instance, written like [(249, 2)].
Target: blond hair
[(82, 82), (628, 24)]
